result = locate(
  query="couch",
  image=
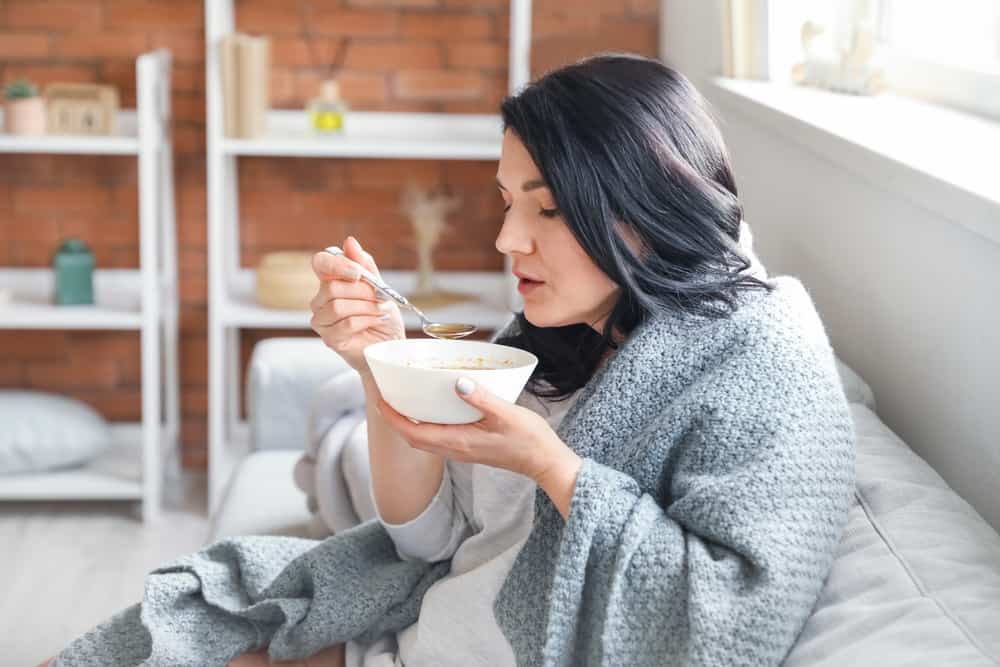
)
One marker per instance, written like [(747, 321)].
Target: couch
[(916, 580)]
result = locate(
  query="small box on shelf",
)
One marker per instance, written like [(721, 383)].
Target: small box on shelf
[(81, 109)]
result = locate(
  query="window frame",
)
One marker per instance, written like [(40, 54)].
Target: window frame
[(965, 88)]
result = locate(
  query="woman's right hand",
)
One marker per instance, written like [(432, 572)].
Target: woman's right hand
[(347, 311)]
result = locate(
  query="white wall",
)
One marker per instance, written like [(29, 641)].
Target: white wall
[(910, 298)]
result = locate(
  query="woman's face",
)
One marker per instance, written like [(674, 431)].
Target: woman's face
[(559, 281)]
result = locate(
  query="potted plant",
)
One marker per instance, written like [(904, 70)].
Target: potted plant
[(23, 109)]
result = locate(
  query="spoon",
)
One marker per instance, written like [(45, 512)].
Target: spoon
[(443, 330)]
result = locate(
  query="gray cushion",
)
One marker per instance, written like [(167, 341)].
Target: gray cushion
[(283, 374), (41, 431), (917, 577), (262, 499)]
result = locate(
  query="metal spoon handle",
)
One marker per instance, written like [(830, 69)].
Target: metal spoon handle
[(381, 285)]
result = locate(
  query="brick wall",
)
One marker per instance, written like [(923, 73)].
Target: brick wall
[(414, 55)]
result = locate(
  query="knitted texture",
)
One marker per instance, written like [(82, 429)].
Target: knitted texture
[(718, 467), (294, 595), (718, 470)]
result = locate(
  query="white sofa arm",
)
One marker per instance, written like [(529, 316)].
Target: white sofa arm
[(283, 375)]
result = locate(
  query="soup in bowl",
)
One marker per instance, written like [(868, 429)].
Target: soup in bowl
[(417, 376)]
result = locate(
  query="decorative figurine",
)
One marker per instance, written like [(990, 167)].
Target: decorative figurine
[(427, 213), (854, 69)]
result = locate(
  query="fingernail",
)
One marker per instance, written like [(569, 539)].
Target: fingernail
[(384, 317), (465, 386)]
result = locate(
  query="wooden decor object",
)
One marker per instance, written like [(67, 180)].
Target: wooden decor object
[(81, 108), (286, 280), (245, 66)]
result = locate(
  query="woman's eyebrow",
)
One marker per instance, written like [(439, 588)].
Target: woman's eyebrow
[(533, 184)]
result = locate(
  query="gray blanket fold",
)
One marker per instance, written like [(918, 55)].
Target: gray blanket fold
[(717, 474), (239, 594)]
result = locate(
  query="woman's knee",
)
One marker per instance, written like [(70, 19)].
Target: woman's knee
[(258, 658), (332, 656)]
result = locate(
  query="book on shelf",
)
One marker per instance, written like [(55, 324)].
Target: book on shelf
[(245, 68)]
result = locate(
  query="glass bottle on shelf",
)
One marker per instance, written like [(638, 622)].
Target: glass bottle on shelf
[(327, 111)]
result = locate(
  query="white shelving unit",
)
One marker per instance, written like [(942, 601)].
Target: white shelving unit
[(367, 135), (142, 300)]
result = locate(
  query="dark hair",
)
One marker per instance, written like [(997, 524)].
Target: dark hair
[(623, 139)]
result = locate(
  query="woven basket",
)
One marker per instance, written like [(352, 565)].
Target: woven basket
[(286, 280)]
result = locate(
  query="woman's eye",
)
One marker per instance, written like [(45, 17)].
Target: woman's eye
[(550, 212), (506, 208)]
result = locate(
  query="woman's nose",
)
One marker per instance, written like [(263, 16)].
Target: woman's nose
[(513, 239)]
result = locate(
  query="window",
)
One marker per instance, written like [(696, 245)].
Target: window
[(943, 51), (963, 33)]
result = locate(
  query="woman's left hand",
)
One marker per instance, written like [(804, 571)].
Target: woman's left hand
[(508, 436)]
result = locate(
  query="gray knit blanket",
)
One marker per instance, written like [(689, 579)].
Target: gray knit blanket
[(718, 467)]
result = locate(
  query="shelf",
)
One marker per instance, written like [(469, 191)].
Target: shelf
[(241, 309), (114, 475), (366, 134), (116, 292), (125, 141), (375, 134)]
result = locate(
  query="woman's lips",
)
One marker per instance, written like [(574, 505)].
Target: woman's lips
[(525, 285)]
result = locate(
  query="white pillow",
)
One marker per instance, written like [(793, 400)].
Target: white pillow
[(39, 431), (855, 387)]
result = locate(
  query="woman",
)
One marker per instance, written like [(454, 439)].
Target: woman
[(672, 484)]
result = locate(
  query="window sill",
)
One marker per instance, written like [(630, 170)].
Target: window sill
[(935, 157)]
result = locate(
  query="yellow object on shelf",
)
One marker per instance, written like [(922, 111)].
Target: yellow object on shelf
[(286, 280), (327, 121), (326, 112)]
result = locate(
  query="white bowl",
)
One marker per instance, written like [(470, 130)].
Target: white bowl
[(410, 379)]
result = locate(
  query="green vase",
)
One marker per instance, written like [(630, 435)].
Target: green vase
[(73, 265)]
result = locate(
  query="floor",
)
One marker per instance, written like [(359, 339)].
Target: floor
[(64, 567)]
